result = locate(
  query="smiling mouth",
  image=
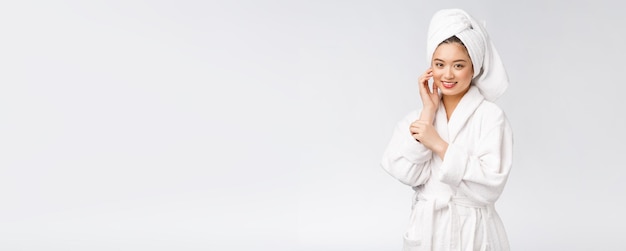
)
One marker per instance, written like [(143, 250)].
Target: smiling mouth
[(448, 84)]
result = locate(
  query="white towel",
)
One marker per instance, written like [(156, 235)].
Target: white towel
[(489, 74)]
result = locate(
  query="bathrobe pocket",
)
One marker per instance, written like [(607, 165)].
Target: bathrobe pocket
[(413, 237)]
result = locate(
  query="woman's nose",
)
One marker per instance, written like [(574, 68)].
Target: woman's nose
[(448, 73)]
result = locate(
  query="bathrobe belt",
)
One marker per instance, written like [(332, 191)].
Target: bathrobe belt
[(433, 204)]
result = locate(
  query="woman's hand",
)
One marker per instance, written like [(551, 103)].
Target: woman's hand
[(424, 132), (430, 100)]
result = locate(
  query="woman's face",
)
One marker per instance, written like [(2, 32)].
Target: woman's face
[(452, 69)]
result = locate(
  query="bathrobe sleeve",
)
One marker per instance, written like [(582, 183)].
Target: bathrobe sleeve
[(405, 158), (480, 174)]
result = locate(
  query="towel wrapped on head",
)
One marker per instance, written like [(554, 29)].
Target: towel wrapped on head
[(489, 74)]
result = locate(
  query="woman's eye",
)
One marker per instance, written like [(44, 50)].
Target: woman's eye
[(458, 66), (439, 64)]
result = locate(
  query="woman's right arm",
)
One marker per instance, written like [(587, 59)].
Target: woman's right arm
[(405, 158)]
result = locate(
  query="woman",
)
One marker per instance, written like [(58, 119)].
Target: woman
[(456, 153)]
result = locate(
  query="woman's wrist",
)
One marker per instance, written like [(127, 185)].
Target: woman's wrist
[(428, 115), (441, 149)]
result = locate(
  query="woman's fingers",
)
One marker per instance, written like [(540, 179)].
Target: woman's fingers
[(436, 91), (418, 129), (417, 126), (426, 76), (423, 82)]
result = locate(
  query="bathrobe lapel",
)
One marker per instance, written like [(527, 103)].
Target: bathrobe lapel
[(441, 123), (448, 130)]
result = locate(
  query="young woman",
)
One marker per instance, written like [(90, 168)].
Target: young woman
[(456, 152)]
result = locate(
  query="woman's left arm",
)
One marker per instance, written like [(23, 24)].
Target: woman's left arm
[(481, 174)]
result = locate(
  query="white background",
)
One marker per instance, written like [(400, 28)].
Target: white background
[(239, 125)]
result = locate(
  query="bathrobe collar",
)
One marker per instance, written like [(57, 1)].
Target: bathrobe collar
[(448, 130)]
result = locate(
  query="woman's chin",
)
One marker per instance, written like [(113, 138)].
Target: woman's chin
[(455, 91)]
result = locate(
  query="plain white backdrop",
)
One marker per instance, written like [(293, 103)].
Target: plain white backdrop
[(240, 125)]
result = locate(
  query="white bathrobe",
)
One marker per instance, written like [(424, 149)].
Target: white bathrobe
[(454, 198)]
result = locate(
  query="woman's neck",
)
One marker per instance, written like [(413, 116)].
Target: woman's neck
[(450, 103)]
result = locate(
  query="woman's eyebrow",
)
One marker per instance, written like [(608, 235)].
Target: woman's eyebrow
[(458, 60)]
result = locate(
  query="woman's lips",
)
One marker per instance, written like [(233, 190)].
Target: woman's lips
[(448, 84)]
